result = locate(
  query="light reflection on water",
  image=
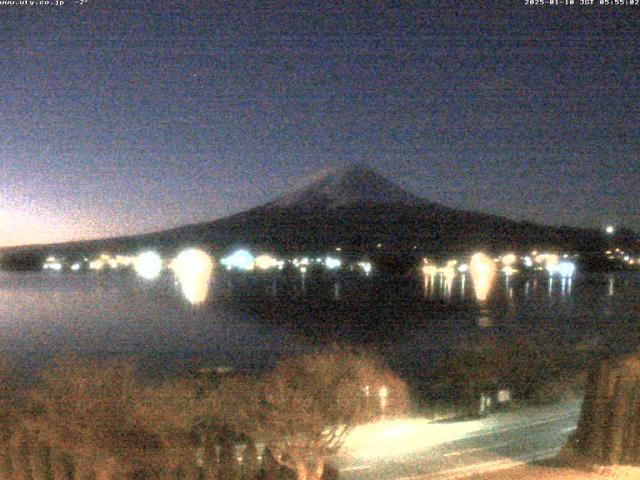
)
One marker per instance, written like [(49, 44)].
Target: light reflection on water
[(483, 273), (118, 312), (193, 269)]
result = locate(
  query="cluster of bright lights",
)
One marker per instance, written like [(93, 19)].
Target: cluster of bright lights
[(244, 260), (448, 271), (622, 256), (148, 265), (106, 260), (303, 262), (52, 265)]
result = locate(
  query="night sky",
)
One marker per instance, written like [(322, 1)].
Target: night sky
[(123, 117)]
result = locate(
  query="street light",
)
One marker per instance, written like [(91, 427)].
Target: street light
[(383, 393)]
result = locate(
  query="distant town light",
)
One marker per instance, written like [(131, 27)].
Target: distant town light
[(75, 267), (430, 270), (610, 230), (508, 270), (148, 265), (240, 259), (366, 267), (56, 266), (565, 269), (265, 262), (463, 268), (97, 264), (332, 263), (551, 263), (124, 260), (508, 259)]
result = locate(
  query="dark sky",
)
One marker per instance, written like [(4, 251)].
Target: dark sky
[(123, 117)]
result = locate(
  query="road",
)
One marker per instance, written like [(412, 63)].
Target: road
[(417, 449)]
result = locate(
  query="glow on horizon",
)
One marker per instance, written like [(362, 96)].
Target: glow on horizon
[(31, 228), (38, 224)]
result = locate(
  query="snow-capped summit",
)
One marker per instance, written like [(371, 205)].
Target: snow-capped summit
[(355, 184)]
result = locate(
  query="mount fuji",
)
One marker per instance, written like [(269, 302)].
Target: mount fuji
[(356, 184), (359, 211)]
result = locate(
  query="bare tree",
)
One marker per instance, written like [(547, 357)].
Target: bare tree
[(90, 411), (310, 404)]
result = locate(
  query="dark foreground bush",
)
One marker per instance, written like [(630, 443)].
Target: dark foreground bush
[(86, 420)]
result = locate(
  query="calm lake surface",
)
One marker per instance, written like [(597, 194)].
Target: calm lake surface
[(250, 320)]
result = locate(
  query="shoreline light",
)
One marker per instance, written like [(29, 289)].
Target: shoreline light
[(148, 265), (240, 259), (509, 259), (566, 269), (265, 262), (366, 267), (332, 263), (430, 270)]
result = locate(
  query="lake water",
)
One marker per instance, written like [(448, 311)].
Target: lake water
[(250, 320)]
